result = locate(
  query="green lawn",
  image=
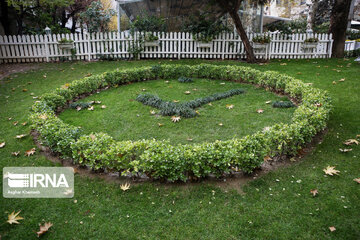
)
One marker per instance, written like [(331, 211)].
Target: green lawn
[(126, 119), (275, 206)]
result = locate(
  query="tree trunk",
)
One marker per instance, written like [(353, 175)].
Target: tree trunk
[(240, 29), (338, 24), (20, 20), (5, 17), (73, 26), (64, 19)]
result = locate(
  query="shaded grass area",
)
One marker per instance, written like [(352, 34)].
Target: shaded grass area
[(275, 206), (126, 119)]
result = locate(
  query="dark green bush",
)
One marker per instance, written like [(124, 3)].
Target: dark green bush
[(185, 80), (282, 104)]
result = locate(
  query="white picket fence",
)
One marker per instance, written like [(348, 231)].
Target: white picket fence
[(174, 45), (351, 45)]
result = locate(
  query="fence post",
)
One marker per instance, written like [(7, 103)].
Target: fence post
[(46, 48), (89, 46), (223, 46), (330, 45), (179, 36)]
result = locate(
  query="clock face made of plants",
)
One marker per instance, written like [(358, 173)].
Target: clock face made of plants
[(158, 159)]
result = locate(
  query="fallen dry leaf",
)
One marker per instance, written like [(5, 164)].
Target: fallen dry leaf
[(160, 124), (43, 116), (152, 112), (103, 106), (267, 158), (260, 111), (78, 108), (283, 64), (125, 186), (357, 180), (20, 136), (332, 228), (189, 139), (15, 153), (24, 123), (176, 101), (334, 82), (91, 108), (221, 124), (351, 142), (175, 118), (342, 80), (268, 102), (229, 106), (314, 192), (331, 171), (30, 152), (2, 144), (68, 192), (187, 92), (24, 90), (345, 150), (44, 228), (13, 217), (15, 123)]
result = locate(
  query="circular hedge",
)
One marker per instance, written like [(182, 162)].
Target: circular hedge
[(161, 160)]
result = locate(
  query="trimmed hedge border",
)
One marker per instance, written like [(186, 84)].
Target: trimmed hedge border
[(161, 160)]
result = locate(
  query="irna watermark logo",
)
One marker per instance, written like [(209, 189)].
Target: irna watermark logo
[(38, 182)]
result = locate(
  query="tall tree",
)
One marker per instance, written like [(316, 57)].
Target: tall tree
[(73, 11), (232, 7), (96, 17), (5, 16), (34, 8), (338, 24)]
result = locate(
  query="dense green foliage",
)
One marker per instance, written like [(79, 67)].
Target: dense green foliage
[(96, 17), (311, 40), (263, 39), (161, 160), (148, 23), (205, 28), (352, 35), (296, 26), (186, 109)]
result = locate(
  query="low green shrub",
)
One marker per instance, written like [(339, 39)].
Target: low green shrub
[(160, 159), (81, 105), (283, 104), (186, 109), (185, 80)]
